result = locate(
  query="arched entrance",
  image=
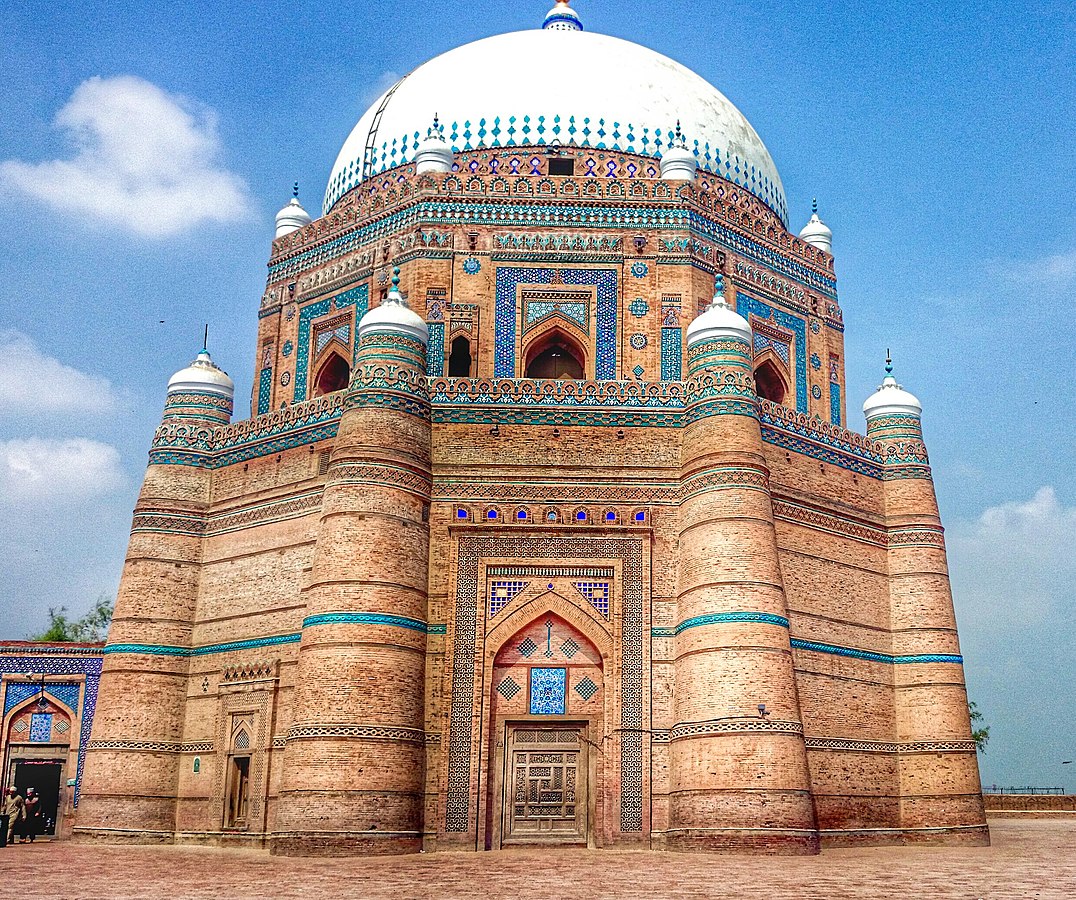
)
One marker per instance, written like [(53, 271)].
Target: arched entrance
[(770, 383), (333, 375), (555, 355), (38, 743), (546, 720)]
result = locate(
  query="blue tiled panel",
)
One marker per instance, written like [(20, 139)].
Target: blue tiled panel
[(435, 352), (18, 692), (41, 728), (547, 691), (265, 386), (358, 296), (746, 304), (510, 277), (835, 403), (672, 345)]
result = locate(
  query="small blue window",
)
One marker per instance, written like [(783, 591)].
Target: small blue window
[(492, 514), (581, 515), (610, 516), (522, 514), (461, 513), (640, 517)]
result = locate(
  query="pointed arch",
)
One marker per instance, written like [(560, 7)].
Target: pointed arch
[(333, 373), (555, 353), (771, 383), (459, 359), (518, 618)]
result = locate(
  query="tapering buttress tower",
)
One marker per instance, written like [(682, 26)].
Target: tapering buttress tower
[(738, 776), (354, 760)]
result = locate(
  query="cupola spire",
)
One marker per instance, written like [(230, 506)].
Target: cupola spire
[(677, 162), (891, 399), (292, 217), (816, 232), (434, 154), (562, 18)]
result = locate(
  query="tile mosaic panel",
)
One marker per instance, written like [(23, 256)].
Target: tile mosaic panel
[(548, 691)]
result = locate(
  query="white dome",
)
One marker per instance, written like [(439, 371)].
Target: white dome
[(202, 375), (569, 87), (393, 316), (891, 400), (817, 233), (718, 321), (292, 217)]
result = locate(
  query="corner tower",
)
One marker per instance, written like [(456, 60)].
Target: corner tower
[(354, 760)]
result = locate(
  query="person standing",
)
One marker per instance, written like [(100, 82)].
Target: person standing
[(14, 808), (32, 813)]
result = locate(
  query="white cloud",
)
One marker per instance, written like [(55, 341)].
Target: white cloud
[(378, 86), (1057, 271), (42, 470), (1014, 565), (32, 382), (145, 161)]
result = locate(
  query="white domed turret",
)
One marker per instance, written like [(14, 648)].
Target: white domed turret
[(677, 162), (292, 217), (718, 321), (562, 18), (816, 232), (202, 376), (891, 399), (434, 154), (394, 316)]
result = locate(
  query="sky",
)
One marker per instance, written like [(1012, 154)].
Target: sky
[(145, 147)]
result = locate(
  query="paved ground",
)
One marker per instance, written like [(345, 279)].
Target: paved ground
[(1029, 859)]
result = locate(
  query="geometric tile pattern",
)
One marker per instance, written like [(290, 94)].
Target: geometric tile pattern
[(357, 296), (501, 593), (18, 692), (508, 688), (835, 403), (435, 352), (746, 305), (672, 345), (527, 648), (466, 697), (547, 691), (569, 648), (586, 688), (265, 385), (597, 592), (508, 280)]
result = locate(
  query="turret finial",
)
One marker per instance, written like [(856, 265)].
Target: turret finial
[(562, 18), (295, 191), (888, 362), (395, 278), (205, 339), (814, 205)]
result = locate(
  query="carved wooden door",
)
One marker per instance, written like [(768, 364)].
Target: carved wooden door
[(545, 786)]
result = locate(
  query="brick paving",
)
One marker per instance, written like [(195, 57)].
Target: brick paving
[(1029, 859)]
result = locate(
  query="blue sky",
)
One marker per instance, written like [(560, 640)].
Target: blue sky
[(939, 142)]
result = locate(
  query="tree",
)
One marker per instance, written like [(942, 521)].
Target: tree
[(91, 627), (980, 735)]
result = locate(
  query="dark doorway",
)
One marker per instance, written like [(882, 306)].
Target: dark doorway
[(43, 775), (556, 361), (459, 362), (769, 384), (333, 376)]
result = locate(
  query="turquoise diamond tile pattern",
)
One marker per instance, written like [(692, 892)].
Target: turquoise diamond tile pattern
[(265, 385), (538, 310), (548, 691), (586, 688), (835, 403), (569, 648), (508, 688), (527, 647)]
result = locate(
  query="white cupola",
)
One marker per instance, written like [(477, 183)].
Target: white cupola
[(562, 18), (292, 217), (394, 316), (891, 399), (816, 233), (677, 162), (203, 376), (718, 321), (434, 154)]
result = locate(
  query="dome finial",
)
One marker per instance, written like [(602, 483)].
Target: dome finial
[(292, 217), (434, 154), (816, 232), (295, 190), (888, 362), (562, 18), (205, 339), (678, 163), (814, 206)]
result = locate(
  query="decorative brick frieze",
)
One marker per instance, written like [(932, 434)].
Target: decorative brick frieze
[(357, 732), (686, 730)]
